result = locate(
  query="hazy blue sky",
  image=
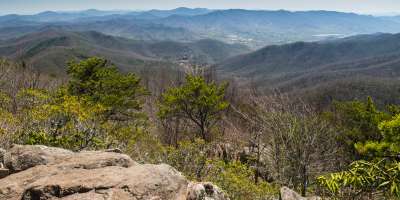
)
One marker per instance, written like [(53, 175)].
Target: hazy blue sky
[(359, 6)]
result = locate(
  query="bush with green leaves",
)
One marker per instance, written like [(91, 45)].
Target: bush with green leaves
[(8, 121), (189, 158), (389, 145), (234, 177), (98, 108), (379, 172), (359, 121), (364, 178), (60, 120), (237, 179)]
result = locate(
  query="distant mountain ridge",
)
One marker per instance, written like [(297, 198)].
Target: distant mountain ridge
[(393, 18), (57, 16), (281, 26), (255, 28), (182, 11)]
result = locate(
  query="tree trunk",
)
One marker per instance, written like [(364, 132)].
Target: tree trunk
[(203, 132), (176, 132), (305, 181), (257, 174)]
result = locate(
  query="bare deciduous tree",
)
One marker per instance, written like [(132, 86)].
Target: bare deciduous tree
[(293, 139)]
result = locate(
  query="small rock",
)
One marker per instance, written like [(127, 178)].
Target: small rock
[(196, 191), (205, 191)]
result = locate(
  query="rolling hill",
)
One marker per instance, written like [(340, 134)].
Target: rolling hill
[(302, 56), (348, 68), (50, 49)]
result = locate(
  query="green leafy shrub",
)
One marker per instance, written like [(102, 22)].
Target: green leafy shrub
[(379, 172), (189, 158), (61, 120), (98, 108), (237, 179), (364, 178), (359, 122)]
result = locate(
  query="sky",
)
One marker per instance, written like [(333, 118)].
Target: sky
[(357, 6)]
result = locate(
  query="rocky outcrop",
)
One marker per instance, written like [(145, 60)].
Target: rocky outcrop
[(288, 194), (40, 172), (20, 157), (206, 191)]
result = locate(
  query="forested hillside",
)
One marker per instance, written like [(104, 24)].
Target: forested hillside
[(340, 69), (50, 49)]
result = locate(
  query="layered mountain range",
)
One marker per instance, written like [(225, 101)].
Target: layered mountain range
[(329, 55), (250, 27)]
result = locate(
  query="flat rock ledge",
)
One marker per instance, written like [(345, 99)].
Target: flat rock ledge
[(41, 173)]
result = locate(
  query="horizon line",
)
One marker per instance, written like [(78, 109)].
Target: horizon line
[(211, 9)]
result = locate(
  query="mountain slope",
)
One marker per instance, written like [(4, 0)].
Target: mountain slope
[(302, 56), (50, 49), (364, 65)]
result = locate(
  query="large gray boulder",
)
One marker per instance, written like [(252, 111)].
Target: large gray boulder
[(288, 194), (41, 172), (21, 157)]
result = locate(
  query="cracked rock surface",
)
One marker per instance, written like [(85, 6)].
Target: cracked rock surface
[(40, 172)]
